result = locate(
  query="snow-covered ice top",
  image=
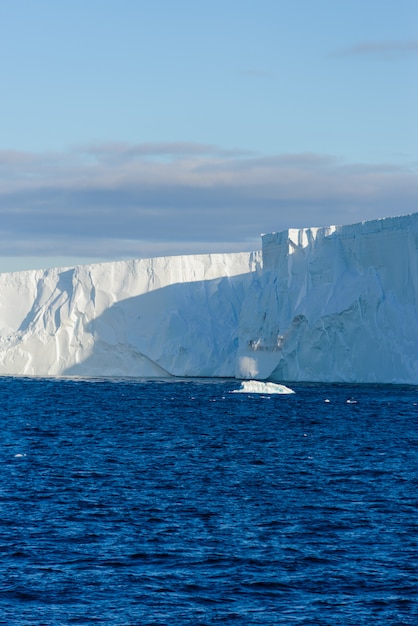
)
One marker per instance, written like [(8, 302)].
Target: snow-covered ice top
[(315, 304)]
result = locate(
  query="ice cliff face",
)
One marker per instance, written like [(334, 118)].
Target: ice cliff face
[(335, 304), (327, 304), (153, 317)]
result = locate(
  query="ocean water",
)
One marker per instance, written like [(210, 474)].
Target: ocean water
[(160, 502)]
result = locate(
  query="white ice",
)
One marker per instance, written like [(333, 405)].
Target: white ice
[(335, 304), (256, 386)]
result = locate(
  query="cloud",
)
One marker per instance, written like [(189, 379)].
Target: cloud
[(383, 50), (118, 152), (120, 200)]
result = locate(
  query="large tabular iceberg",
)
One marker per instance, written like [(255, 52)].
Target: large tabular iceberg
[(316, 304), (152, 317), (335, 304)]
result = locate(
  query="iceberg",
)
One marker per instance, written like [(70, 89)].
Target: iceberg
[(256, 386), (332, 304), (169, 316), (335, 304)]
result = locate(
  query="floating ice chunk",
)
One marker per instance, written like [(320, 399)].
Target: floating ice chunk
[(255, 386)]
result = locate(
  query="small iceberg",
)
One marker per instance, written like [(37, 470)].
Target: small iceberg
[(256, 386)]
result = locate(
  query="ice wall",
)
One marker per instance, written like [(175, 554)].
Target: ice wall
[(152, 317), (317, 304), (334, 304)]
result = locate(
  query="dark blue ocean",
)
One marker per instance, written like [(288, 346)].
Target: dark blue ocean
[(156, 502)]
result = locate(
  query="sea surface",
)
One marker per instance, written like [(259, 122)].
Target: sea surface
[(181, 503)]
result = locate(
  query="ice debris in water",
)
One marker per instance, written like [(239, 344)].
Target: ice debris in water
[(256, 386)]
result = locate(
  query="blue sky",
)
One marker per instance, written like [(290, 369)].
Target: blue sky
[(143, 128)]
